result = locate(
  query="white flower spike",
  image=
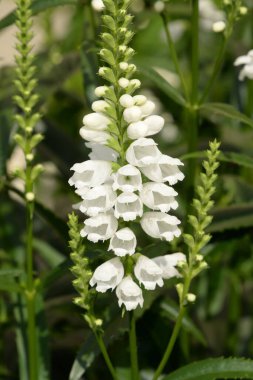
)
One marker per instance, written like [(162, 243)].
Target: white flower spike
[(100, 227), (148, 273), (160, 225), (108, 275), (90, 173), (123, 242), (127, 179), (129, 294), (168, 264), (158, 196)]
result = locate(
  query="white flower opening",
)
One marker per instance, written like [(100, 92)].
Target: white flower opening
[(129, 294), (158, 196), (90, 173), (168, 264), (128, 206), (148, 273), (108, 275), (160, 225), (127, 179), (100, 227), (123, 242)]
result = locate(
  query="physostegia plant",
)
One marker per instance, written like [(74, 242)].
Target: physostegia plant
[(128, 180)]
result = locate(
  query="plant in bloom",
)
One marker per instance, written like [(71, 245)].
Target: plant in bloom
[(127, 179)]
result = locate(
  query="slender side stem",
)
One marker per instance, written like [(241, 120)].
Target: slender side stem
[(105, 354), (216, 69), (133, 347), (195, 51), (174, 56)]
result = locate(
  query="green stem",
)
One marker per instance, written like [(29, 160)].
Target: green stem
[(171, 344), (216, 69), (105, 354), (133, 347), (195, 51), (173, 53)]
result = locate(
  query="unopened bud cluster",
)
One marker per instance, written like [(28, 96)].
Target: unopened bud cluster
[(127, 178)]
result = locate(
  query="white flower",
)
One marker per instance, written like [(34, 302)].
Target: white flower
[(132, 114), (101, 152), (164, 170), (209, 14), (168, 264), (96, 120), (98, 199), (143, 152), (127, 179), (247, 61), (129, 294), (126, 101), (100, 227), (99, 106), (158, 196), (108, 275), (135, 83), (94, 135), (155, 124), (160, 225), (123, 82), (123, 65), (100, 91), (97, 5), (147, 108), (137, 130), (148, 273), (159, 6), (123, 242), (219, 26), (90, 173), (128, 206), (139, 100)]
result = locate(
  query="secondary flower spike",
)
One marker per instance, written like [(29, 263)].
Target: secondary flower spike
[(127, 183)]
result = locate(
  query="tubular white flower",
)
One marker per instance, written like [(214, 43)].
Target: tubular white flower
[(100, 227), (90, 173), (158, 196), (137, 130), (164, 170), (108, 275), (126, 101), (143, 152), (96, 120), (128, 206), (127, 179), (98, 199), (160, 225), (132, 114), (155, 124), (101, 152), (94, 135), (147, 108), (123, 242), (148, 273), (129, 294), (168, 264), (247, 61)]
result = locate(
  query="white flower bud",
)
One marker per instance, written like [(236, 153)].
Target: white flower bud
[(123, 65), (137, 130), (94, 135), (160, 225), (123, 242), (243, 10), (100, 227), (97, 5), (158, 196), (147, 108), (90, 173), (99, 106), (126, 101), (132, 114), (123, 82), (135, 83), (100, 91), (129, 294), (128, 206), (191, 297), (155, 124), (30, 196), (219, 26), (122, 48), (107, 275), (143, 152), (168, 264), (148, 273), (96, 121), (139, 100), (98, 199), (159, 6), (127, 179)]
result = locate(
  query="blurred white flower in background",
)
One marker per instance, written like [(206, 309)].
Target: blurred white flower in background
[(210, 14), (247, 62)]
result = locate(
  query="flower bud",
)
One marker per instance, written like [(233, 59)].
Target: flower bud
[(219, 26), (99, 106), (191, 297), (132, 114), (30, 196), (101, 91), (123, 82), (123, 65), (126, 101), (139, 100), (97, 5)]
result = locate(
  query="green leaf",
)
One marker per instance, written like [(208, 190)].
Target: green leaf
[(48, 253), (233, 217), (170, 310), (162, 84), (225, 110), (211, 369), (36, 7), (7, 280)]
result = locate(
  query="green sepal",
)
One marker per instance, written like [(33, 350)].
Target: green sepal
[(109, 22), (35, 140), (109, 40), (20, 140), (107, 56), (36, 171)]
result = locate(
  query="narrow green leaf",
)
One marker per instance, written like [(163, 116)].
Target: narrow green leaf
[(233, 217), (37, 7), (48, 253), (212, 369), (225, 110), (162, 84)]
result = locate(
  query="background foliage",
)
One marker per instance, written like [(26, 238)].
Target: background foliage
[(220, 322)]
